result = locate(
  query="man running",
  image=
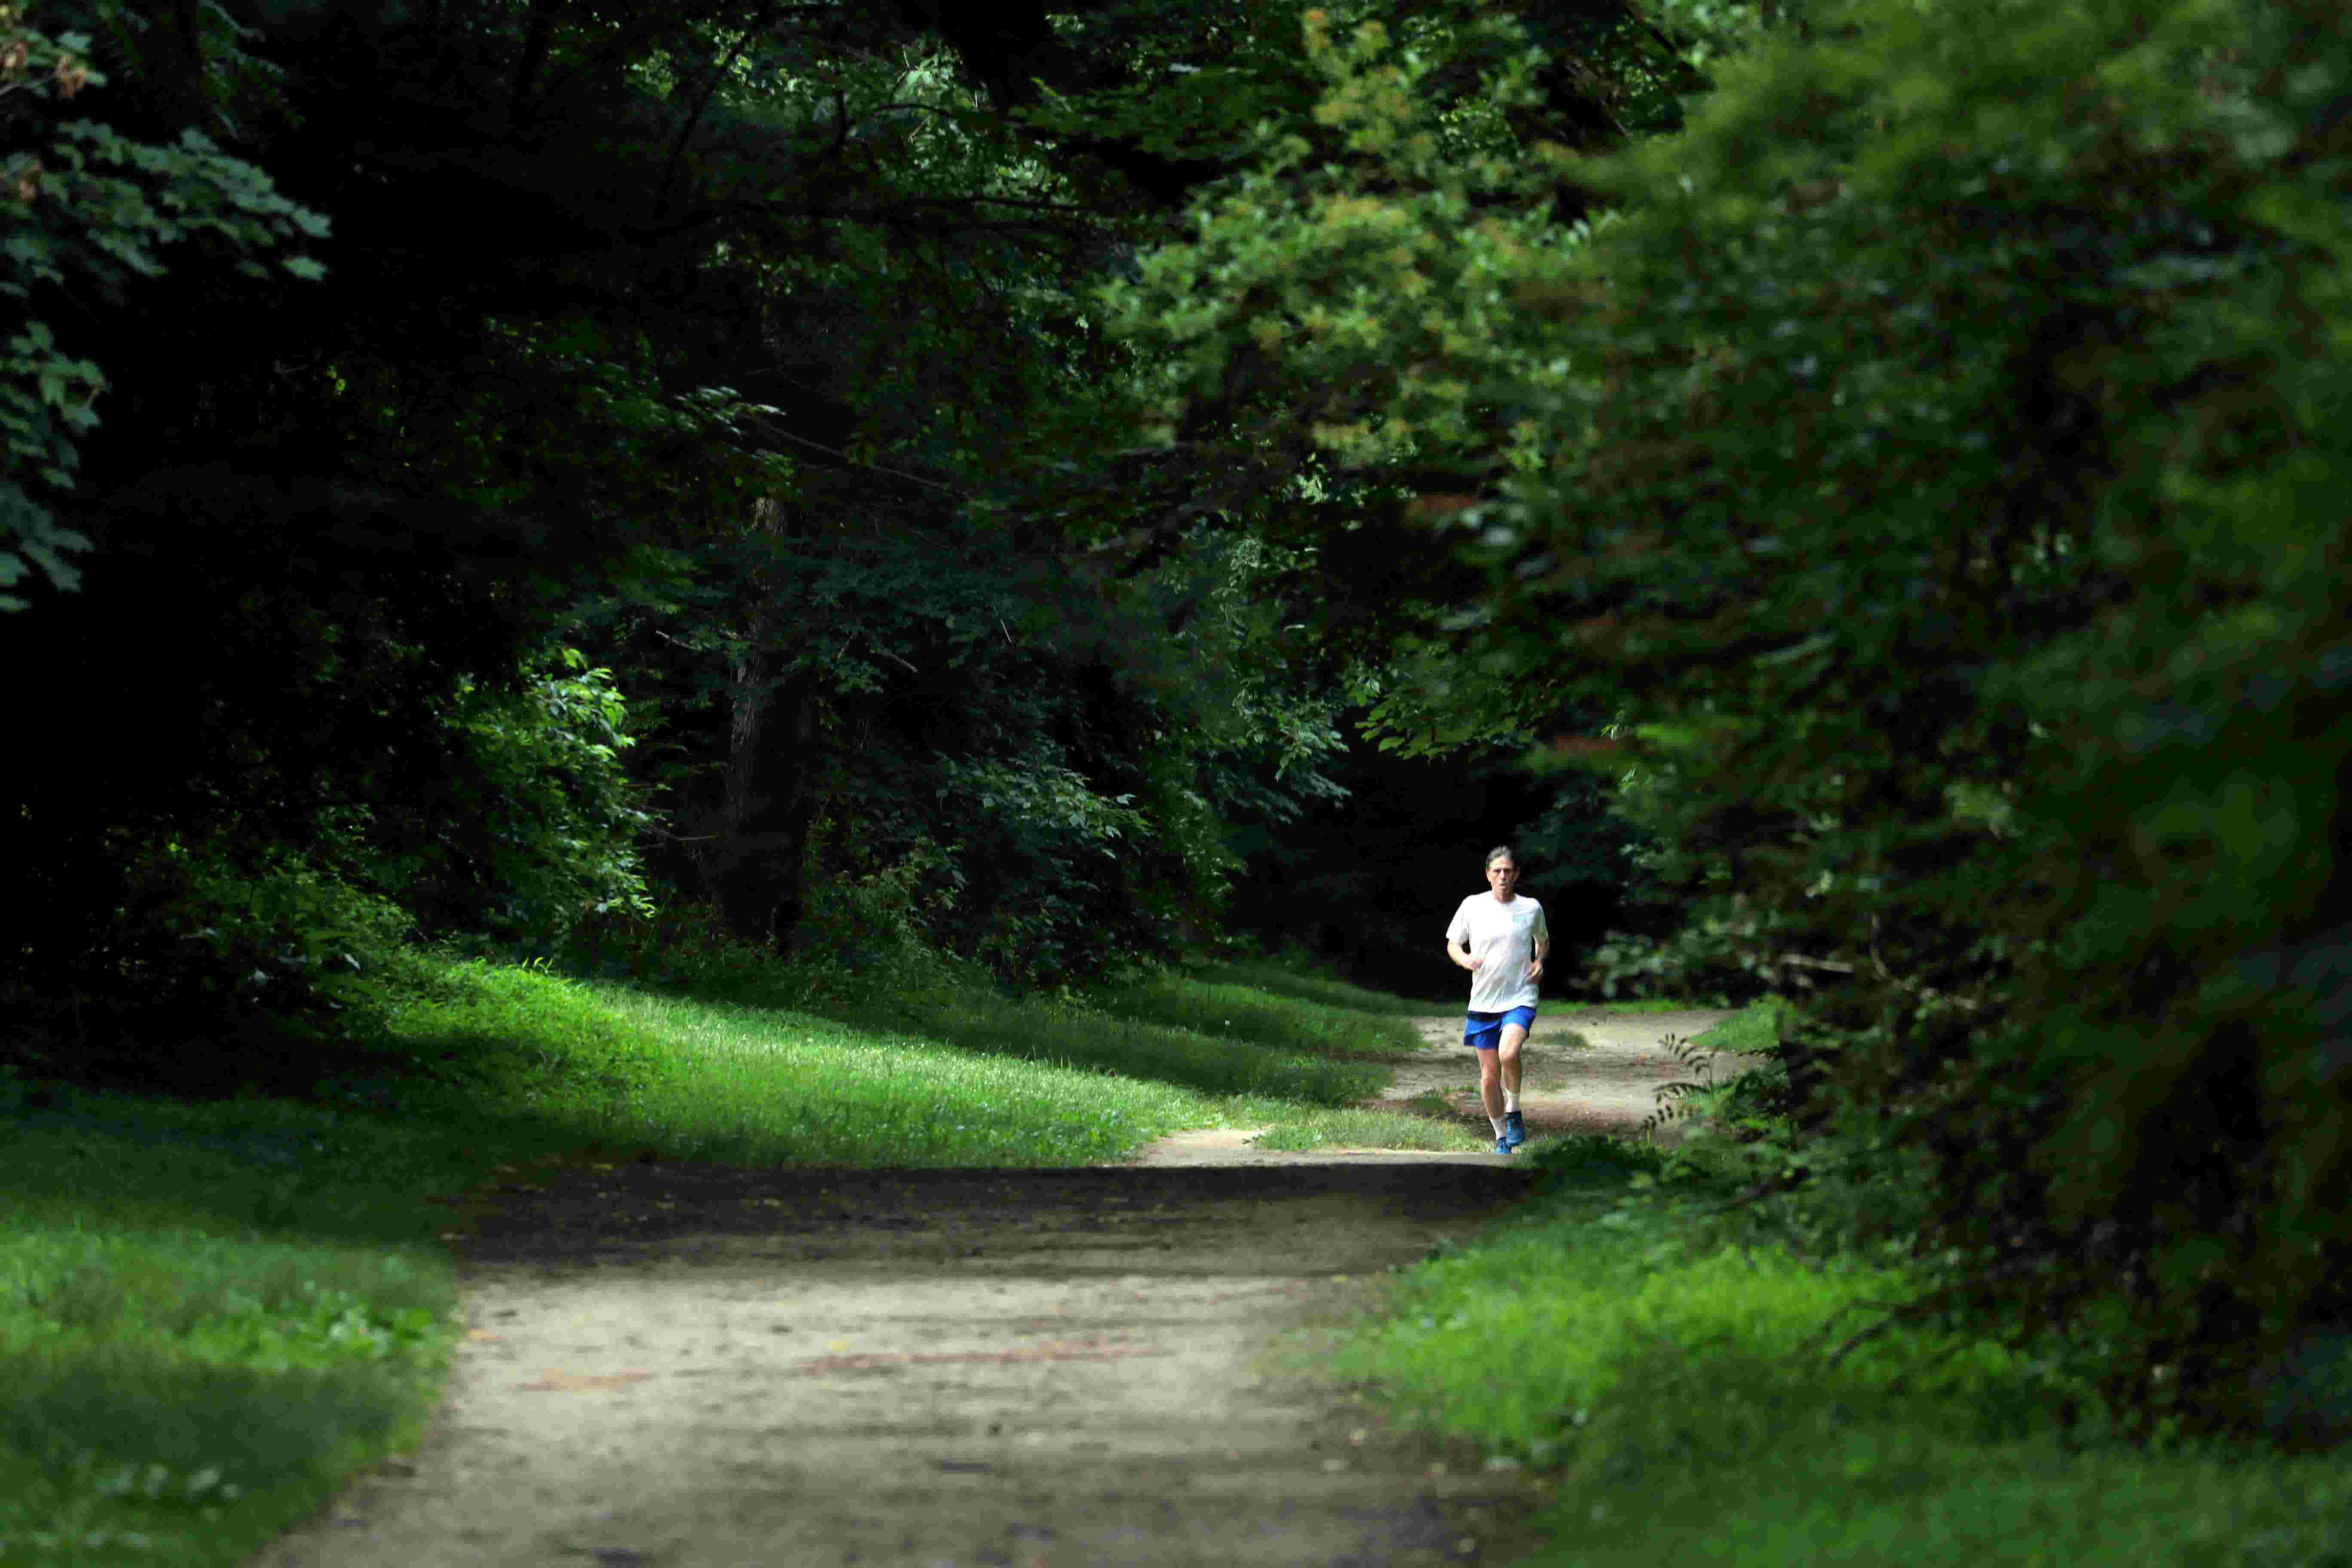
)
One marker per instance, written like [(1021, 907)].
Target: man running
[(1501, 939)]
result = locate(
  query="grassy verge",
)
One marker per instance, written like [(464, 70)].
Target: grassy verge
[(209, 1315), (1163, 1034), (1320, 1022), (212, 1315), (1672, 1388), (1287, 1130)]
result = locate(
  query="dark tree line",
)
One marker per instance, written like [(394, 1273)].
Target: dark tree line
[(735, 360)]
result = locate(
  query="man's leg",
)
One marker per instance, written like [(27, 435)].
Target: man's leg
[(1490, 1095), (1514, 1036), (1514, 1132), (1490, 1080)]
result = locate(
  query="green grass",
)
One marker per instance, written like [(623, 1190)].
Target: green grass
[(1211, 1039), (1676, 1400), (939, 1077), (749, 1086), (1756, 1027), (1224, 1006), (212, 1315), (1274, 980), (1364, 1130), (209, 1315)]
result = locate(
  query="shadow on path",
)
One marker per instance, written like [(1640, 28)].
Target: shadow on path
[(689, 1365)]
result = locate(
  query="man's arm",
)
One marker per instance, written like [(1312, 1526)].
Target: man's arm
[(1542, 945), (1457, 939)]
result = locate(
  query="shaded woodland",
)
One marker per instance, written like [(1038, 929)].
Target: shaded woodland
[(1856, 488)]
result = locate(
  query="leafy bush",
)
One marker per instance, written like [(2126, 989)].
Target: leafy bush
[(532, 825), (873, 935), (860, 939), (1691, 961), (1947, 476), (1043, 864), (220, 957)]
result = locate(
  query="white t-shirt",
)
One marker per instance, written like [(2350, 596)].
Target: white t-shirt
[(1505, 936)]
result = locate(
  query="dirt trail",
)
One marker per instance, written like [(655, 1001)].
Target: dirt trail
[(690, 1366), (1586, 1069)]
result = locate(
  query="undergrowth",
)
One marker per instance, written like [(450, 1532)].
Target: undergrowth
[(1689, 1373)]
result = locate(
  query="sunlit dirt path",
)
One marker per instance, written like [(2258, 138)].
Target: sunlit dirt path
[(685, 1366), (691, 1366)]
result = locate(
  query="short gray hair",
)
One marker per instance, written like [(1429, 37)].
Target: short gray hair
[(1498, 852)]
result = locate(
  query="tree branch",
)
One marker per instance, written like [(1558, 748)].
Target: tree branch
[(771, 427), (702, 103)]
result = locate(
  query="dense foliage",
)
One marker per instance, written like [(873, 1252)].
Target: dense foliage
[(1936, 451), (760, 373), (2049, 311)]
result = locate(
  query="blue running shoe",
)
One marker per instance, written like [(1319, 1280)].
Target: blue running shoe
[(1515, 1132), (1502, 1146)]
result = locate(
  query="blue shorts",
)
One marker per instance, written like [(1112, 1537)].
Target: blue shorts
[(1483, 1031)]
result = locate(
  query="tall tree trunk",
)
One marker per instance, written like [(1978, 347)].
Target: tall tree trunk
[(754, 861), (753, 866)]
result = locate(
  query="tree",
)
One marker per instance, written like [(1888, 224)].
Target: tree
[(1925, 449)]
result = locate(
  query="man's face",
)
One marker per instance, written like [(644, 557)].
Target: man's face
[(1502, 876)]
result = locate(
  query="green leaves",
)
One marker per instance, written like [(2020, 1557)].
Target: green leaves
[(44, 399), (1961, 310), (95, 209), (1351, 298)]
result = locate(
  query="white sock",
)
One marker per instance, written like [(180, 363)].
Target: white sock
[(1499, 1125), (1510, 1100)]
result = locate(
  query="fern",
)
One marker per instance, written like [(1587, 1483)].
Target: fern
[(1684, 1098)]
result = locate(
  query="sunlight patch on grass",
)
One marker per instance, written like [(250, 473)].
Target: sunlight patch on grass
[(952, 1077), (1260, 1052), (1572, 1340), (1227, 1010), (1271, 980), (750, 1086), (1755, 1028)]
